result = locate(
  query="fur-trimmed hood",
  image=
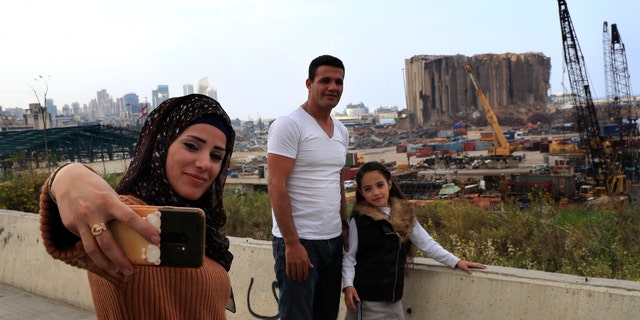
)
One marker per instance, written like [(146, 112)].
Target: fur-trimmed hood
[(402, 215)]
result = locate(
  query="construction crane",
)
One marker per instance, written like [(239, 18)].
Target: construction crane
[(600, 167), (608, 71), (622, 84), (501, 148), (619, 93)]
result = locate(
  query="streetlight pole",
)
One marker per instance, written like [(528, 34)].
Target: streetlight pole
[(44, 115)]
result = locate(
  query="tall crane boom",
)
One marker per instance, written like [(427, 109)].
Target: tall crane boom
[(622, 102), (620, 72), (609, 85), (501, 146), (586, 116)]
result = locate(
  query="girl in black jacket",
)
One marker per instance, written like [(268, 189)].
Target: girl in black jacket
[(382, 229)]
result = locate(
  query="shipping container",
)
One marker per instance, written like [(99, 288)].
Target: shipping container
[(468, 146), (609, 130), (414, 147), (453, 146), (460, 132), (544, 146), (349, 173), (482, 145), (445, 133), (352, 159), (486, 136)]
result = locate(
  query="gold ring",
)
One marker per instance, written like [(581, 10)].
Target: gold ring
[(98, 228)]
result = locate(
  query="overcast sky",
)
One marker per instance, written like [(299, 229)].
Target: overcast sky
[(256, 52)]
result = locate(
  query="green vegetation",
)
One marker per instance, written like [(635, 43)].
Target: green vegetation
[(585, 241), (22, 193), (248, 215), (591, 241)]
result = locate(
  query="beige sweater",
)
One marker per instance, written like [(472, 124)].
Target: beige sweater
[(151, 292)]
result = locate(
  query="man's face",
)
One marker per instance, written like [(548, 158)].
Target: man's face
[(326, 89)]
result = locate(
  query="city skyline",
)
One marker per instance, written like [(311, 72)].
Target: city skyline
[(256, 53)]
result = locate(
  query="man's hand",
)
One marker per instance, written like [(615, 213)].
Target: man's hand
[(297, 260)]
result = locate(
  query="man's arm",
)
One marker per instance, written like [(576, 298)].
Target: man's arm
[(343, 214), (297, 259)]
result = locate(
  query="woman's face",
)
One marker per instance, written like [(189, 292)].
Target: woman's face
[(194, 160), (375, 188)]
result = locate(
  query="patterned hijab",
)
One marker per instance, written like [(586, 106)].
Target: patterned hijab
[(146, 177)]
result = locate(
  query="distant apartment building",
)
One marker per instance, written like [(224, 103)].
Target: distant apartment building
[(51, 107), (131, 104), (66, 111), (75, 108), (203, 87), (159, 95), (104, 104), (187, 89), (34, 117)]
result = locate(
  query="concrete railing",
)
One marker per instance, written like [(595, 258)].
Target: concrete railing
[(432, 291)]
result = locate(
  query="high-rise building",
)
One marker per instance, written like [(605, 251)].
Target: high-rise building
[(104, 104), (187, 89), (203, 87), (51, 107), (159, 95), (131, 104), (75, 108), (37, 116), (66, 110), (92, 110)]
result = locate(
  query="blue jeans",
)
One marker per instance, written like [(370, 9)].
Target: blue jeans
[(318, 297)]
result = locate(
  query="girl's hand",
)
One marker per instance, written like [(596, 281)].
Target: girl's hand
[(466, 266), (350, 298)]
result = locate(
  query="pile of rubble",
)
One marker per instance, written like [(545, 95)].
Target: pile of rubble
[(361, 138), (250, 143)]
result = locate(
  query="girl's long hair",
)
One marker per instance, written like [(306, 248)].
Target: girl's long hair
[(376, 166), (394, 192)]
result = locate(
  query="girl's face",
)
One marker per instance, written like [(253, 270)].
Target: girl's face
[(194, 160), (375, 188)]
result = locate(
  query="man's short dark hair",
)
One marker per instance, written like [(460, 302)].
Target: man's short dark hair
[(324, 60)]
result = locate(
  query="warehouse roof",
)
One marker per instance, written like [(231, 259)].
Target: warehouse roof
[(68, 142)]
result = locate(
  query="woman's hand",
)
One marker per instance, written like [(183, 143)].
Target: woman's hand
[(85, 202)]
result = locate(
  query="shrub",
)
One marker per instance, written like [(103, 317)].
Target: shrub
[(22, 194), (248, 215)]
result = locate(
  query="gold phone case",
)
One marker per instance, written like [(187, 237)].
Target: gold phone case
[(182, 237)]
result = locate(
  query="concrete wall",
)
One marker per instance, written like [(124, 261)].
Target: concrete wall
[(432, 291)]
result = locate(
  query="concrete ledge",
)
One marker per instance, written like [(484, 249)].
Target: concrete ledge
[(432, 291), (25, 263)]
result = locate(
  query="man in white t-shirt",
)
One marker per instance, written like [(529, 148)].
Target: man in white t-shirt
[(306, 152)]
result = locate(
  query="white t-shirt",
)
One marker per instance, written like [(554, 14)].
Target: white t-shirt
[(314, 184)]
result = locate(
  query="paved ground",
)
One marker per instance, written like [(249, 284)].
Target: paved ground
[(17, 304)]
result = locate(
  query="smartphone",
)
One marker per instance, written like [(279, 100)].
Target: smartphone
[(182, 237)]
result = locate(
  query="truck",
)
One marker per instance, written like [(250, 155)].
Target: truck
[(513, 135)]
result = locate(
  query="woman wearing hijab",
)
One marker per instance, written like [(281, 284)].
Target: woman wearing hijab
[(181, 160)]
